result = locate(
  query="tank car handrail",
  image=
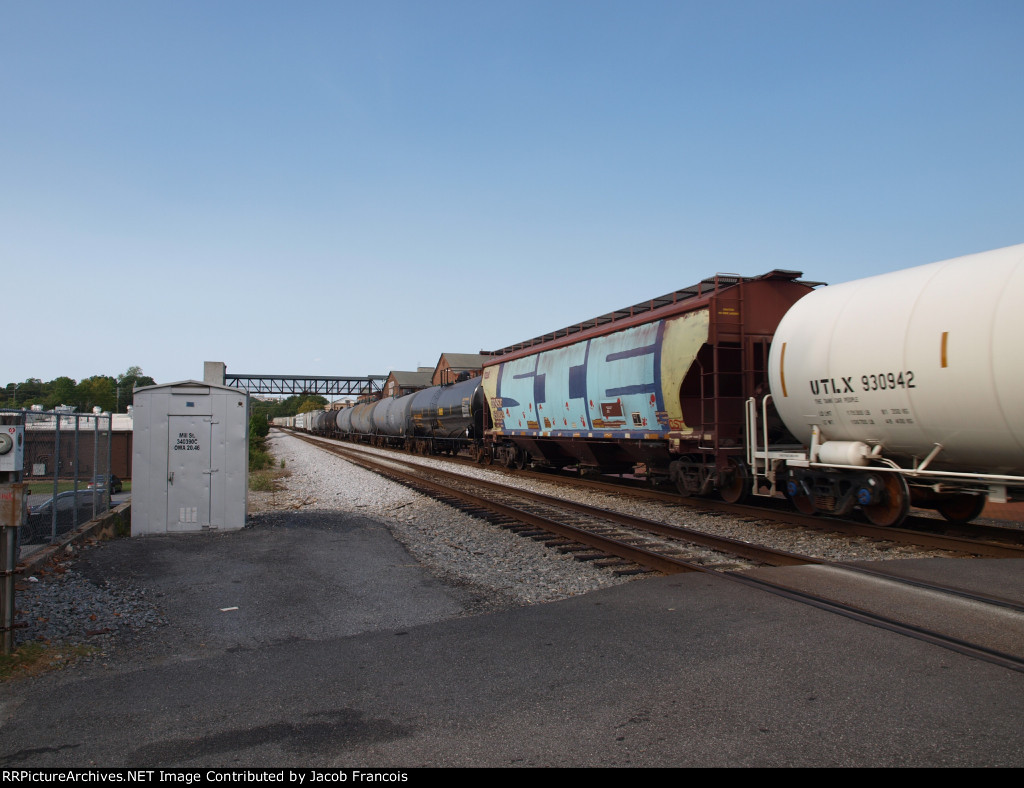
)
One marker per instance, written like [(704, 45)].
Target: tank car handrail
[(753, 455)]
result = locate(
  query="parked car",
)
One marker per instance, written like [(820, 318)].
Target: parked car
[(72, 509), (115, 483)]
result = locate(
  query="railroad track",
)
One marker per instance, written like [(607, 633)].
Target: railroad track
[(922, 532), (629, 544), (646, 543), (928, 534)]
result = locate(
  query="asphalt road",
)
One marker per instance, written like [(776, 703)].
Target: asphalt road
[(343, 652)]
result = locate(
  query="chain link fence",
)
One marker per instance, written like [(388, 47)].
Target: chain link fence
[(66, 472)]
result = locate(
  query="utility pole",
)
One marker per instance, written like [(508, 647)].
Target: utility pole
[(12, 515)]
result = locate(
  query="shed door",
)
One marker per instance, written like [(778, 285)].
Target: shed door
[(188, 472)]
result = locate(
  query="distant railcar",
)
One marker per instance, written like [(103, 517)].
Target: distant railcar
[(344, 421), (448, 418), (362, 420)]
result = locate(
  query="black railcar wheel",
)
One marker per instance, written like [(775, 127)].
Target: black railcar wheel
[(799, 497), (894, 503), (736, 486), (961, 508)]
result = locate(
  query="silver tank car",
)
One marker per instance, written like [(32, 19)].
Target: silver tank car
[(391, 420), (380, 416), (362, 417), (400, 416), (344, 420)]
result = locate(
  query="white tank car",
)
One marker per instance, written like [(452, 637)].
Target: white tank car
[(920, 368)]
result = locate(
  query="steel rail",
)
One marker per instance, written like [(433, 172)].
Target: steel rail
[(925, 585), (957, 544), (736, 547), (771, 556), (817, 522), (638, 555), (883, 622), (760, 554)]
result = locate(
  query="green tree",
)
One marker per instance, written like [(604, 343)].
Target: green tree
[(258, 428), (311, 403), (259, 457), (63, 391), (129, 380), (30, 392), (13, 395), (98, 391)]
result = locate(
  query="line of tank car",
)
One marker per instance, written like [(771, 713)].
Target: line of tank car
[(896, 390)]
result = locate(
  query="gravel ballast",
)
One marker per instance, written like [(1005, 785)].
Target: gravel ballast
[(452, 545), (803, 541)]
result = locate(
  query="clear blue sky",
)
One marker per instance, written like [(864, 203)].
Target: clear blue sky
[(348, 188)]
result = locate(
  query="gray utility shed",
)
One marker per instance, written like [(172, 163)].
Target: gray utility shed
[(190, 464)]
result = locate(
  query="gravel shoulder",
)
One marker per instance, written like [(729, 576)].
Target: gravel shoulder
[(289, 573), (454, 546)]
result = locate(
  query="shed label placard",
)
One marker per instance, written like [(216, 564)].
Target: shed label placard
[(187, 441)]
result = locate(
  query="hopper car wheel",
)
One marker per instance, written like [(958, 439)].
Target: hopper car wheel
[(894, 505), (804, 504), (689, 476), (801, 501), (961, 508), (735, 486), (522, 458)]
